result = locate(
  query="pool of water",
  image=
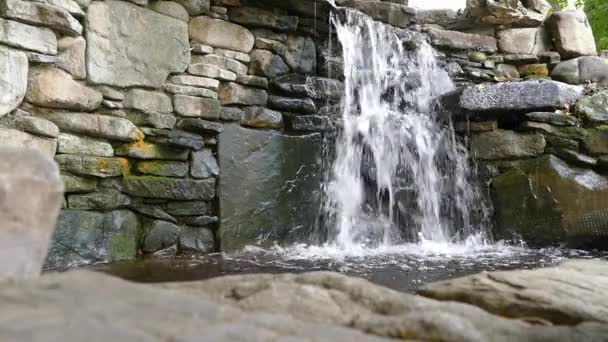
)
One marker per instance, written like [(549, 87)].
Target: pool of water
[(403, 268)]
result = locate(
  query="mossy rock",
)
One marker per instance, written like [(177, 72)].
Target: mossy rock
[(478, 57), (546, 201), (538, 70)]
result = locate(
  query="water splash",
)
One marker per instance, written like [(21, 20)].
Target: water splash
[(400, 174)]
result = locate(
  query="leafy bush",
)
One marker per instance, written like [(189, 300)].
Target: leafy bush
[(597, 12)]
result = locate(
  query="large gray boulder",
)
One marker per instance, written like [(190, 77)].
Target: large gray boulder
[(461, 41), (13, 79), (221, 34), (84, 237), (269, 186), (31, 194), (524, 40), (569, 294), (546, 201), (521, 13), (519, 96), (572, 34), (581, 70), (141, 51)]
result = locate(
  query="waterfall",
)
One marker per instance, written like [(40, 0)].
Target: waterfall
[(400, 174)]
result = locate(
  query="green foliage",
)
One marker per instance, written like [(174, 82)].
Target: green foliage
[(597, 12)]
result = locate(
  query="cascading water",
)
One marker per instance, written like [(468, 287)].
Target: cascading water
[(399, 175)]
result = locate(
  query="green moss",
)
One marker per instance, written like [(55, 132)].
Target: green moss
[(597, 12)]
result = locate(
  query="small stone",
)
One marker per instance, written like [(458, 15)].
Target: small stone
[(573, 157), (199, 221), (534, 69), (92, 166), (175, 138), (171, 9), (101, 126), (71, 57), (478, 57), (195, 7), (169, 188), (190, 91), (199, 240), (232, 114), (111, 93), (108, 199), (148, 101), (146, 151), (186, 208), (301, 54), (211, 71), (163, 168), (200, 126), (271, 45), (160, 235), (38, 58), (155, 120), (77, 184), (311, 123), (152, 211), (204, 164), (221, 62), (65, 93), (221, 34), (239, 56), (553, 118), (201, 49), (253, 81), (41, 14), (28, 37), (72, 144), (267, 64), (507, 71), (305, 105), (233, 93), (257, 17), (37, 126), (260, 117), (112, 104), (194, 81), (190, 106)]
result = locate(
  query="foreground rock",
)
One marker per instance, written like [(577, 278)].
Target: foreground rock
[(269, 185), (13, 79), (31, 193), (570, 294), (546, 201)]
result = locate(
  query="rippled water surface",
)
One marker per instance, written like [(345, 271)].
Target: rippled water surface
[(404, 268)]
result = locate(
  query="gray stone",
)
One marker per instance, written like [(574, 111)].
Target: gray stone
[(195, 7), (221, 34), (507, 71), (271, 160), (260, 117), (190, 106), (236, 94), (111, 93), (253, 81), (520, 58), (102, 167), (568, 294), (152, 211), (160, 235), (155, 120), (462, 41), (69, 5), (37, 126), (146, 151), (195, 81), (506, 12), (573, 157), (107, 199), (54, 88), (301, 54), (311, 123), (169, 188), (148, 101), (200, 126), (156, 43), (204, 164), (190, 91), (163, 168), (545, 201), (71, 56), (100, 126), (38, 58), (31, 193), (211, 71), (72, 144), (28, 37), (13, 79), (186, 208), (172, 9), (232, 114), (224, 63), (277, 47), (239, 56), (520, 96), (201, 49), (582, 70), (197, 239), (594, 108), (175, 138), (256, 17), (572, 34), (555, 119), (524, 40), (84, 237), (199, 221), (265, 63), (387, 12), (298, 105), (41, 14), (12, 138), (596, 141), (77, 184), (501, 144)]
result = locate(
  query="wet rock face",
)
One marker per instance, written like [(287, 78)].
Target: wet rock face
[(547, 201), (269, 186), (31, 194)]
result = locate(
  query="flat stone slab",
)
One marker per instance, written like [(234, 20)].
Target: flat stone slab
[(269, 186)]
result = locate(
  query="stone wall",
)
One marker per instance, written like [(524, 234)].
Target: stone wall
[(132, 97)]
